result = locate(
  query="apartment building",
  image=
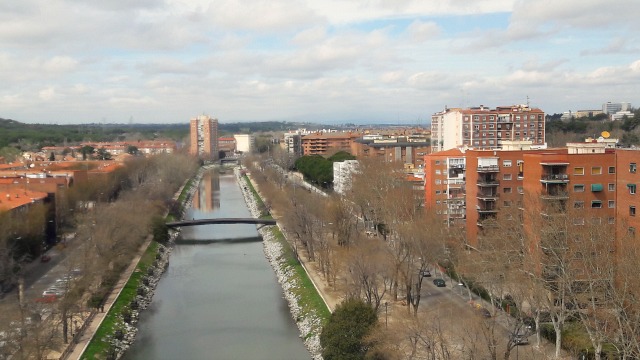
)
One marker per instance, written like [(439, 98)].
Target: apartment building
[(343, 174), (445, 185), (590, 178), (204, 137), (327, 143), (408, 149), (227, 144), (486, 129)]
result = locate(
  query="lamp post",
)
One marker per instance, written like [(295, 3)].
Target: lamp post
[(386, 314)]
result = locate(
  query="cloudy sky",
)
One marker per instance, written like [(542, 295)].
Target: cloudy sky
[(396, 61)]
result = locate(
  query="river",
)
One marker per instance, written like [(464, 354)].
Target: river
[(219, 299)]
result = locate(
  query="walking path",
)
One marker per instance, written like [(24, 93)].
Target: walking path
[(94, 323)]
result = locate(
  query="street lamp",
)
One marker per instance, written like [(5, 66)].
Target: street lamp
[(386, 314)]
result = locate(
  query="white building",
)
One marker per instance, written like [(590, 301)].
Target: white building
[(610, 108), (245, 143), (342, 175)]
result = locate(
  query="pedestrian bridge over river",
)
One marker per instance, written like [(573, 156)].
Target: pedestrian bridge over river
[(220, 221)]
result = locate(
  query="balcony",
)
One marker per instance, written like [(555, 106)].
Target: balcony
[(488, 168), (487, 209), (555, 178), (488, 183), (489, 196), (555, 195)]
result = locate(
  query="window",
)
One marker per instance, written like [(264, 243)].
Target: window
[(633, 168), (612, 187), (596, 204), (578, 221), (507, 203), (578, 204), (438, 202), (632, 211), (578, 171), (507, 190), (437, 162), (520, 190), (596, 170), (506, 177), (484, 126), (578, 188), (632, 231), (612, 220), (612, 204), (632, 188), (612, 169), (506, 163), (438, 182), (437, 172), (437, 192)]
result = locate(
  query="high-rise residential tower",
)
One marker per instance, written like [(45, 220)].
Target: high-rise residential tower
[(204, 137)]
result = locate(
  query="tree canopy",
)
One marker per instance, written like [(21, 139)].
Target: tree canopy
[(343, 335), (319, 170)]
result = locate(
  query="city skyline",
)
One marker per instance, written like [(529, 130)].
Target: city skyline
[(330, 61)]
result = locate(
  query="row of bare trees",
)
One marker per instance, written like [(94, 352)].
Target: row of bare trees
[(108, 234), (550, 264)]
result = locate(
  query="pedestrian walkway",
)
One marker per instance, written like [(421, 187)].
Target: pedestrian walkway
[(89, 332)]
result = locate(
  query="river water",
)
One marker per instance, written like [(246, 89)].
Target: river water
[(219, 298)]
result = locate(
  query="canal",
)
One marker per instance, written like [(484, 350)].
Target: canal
[(219, 299)]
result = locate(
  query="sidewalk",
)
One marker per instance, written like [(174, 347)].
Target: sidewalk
[(90, 330)]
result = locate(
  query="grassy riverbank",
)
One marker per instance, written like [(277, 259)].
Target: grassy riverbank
[(309, 300), (99, 346)]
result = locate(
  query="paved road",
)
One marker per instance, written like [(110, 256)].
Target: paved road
[(451, 305)]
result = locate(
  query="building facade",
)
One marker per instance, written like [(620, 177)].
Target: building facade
[(343, 174), (485, 128), (245, 143), (204, 137), (593, 181), (409, 150), (327, 143)]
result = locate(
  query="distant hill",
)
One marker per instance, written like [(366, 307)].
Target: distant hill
[(35, 136)]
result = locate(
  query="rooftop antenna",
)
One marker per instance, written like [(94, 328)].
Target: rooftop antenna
[(527, 100)]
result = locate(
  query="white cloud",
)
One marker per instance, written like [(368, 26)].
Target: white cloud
[(47, 94), (164, 60), (420, 31), (59, 64)]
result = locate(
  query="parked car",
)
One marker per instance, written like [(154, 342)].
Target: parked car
[(439, 283), (484, 312), (49, 292), (425, 273), (45, 258), (521, 339)]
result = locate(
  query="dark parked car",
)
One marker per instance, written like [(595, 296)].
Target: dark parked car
[(45, 258), (484, 312), (520, 339), (439, 283)]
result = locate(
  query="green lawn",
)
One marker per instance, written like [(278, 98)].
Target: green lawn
[(99, 345)]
